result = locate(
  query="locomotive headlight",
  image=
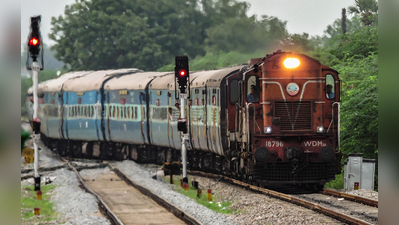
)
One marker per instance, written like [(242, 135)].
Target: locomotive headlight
[(268, 130), (290, 63), (320, 129)]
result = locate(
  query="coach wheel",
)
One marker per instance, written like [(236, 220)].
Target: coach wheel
[(53, 144), (89, 150), (76, 149), (161, 156), (107, 151), (134, 153), (122, 152), (169, 155), (61, 148)]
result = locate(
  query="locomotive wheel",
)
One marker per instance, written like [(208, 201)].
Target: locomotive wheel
[(134, 153)]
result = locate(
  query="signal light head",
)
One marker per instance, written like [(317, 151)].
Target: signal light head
[(291, 63), (182, 73), (33, 41)]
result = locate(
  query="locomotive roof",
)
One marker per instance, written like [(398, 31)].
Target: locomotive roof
[(216, 78), (134, 81), (93, 81), (55, 85)]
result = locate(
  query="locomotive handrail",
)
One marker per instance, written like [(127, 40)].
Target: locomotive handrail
[(339, 124), (247, 105), (247, 122)]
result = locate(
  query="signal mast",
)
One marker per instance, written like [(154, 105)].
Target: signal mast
[(182, 79), (34, 45)]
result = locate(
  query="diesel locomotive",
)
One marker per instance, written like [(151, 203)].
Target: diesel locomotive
[(273, 121)]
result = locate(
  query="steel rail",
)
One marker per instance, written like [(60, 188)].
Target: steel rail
[(114, 218), (349, 197), (161, 201), (288, 198)]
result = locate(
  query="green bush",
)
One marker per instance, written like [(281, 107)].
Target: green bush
[(338, 183)]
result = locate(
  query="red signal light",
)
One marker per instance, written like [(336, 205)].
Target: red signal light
[(182, 73), (33, 41)]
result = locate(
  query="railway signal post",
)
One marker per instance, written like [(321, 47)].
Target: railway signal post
[(34, 45), (182, 78)]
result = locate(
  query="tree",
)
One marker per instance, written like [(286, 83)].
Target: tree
[(298, 43), (367, 9), (145, 34), (246, 35)]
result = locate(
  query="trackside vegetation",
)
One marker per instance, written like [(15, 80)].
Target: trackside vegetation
[(29, 202), (216, 204)]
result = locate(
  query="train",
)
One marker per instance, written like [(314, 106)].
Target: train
[(273, 121)]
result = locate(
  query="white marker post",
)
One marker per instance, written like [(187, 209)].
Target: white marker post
[(184, 136), (34, 45), (182, 78), (36, 121)]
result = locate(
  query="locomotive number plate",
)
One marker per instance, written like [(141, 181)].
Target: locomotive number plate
[(274, 144)]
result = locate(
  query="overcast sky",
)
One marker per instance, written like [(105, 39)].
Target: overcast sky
[(310, 16)]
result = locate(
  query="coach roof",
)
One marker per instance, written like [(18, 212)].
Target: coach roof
[(216, 78), (55, 85), (94, 80), (134, 81)]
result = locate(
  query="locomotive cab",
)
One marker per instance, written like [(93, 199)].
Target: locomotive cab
[(292, 126)]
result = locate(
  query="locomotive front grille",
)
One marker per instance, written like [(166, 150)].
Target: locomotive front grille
[(283, 172), (294, 116)]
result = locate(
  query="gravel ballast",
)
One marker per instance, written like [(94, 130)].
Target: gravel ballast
[(252, 208), (364, 193), (75, 205), (143, 177)]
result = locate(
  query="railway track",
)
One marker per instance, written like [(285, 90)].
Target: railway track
[(315, 202), (126, 202), (354, 198)]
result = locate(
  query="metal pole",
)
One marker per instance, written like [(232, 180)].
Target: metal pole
[(35, 73), (184, 137)]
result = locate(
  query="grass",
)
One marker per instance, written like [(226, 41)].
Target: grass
[(29, 201), (220, 207)]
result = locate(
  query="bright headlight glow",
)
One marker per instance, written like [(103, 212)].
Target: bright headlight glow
[(291, 63), (320, 129), (268, 130)]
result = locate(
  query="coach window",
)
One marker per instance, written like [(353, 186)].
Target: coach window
[(233, 91), (330, 87), (252, 89)]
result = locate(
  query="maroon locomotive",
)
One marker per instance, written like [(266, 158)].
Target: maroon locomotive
[(279, 122)]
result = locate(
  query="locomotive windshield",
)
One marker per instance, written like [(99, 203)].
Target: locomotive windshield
[(252, 89), (330, 86)]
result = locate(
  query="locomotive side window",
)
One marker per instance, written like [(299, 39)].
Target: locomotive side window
[(330, 87), (252, 89), (233, 91)]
